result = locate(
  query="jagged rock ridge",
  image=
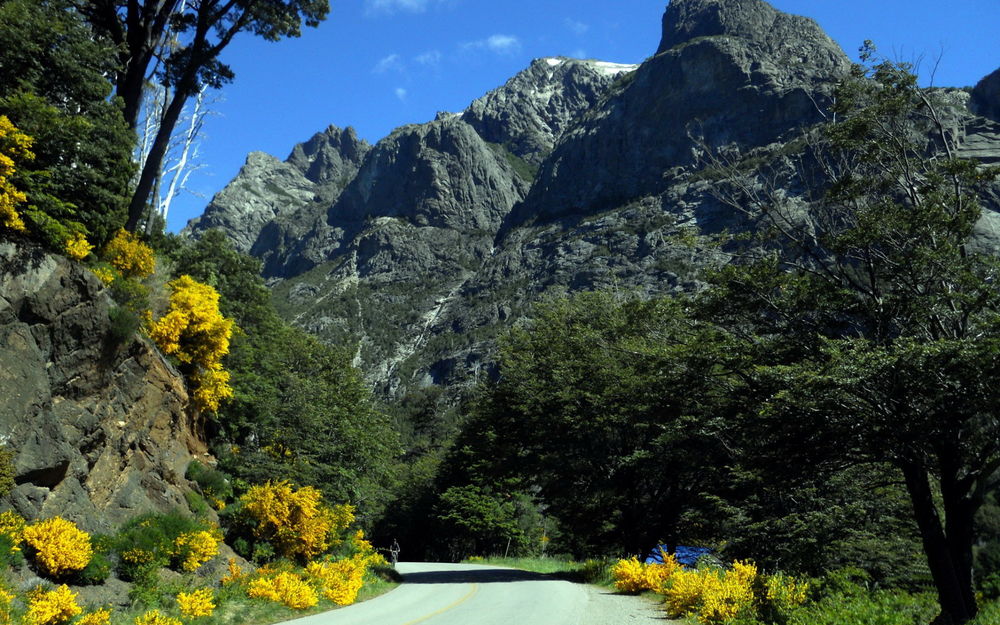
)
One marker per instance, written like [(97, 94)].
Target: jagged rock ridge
[(573, 175)]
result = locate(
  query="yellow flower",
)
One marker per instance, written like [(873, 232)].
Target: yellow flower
[(77, 246), (14, 146), (60, 547), (285, 588), (153, 617), (129, 255), (106, 275), (295, 521), (340, 581), (97, 617), (12, 525), (197, 603), (195, 548), (235, 573), (51, 607)]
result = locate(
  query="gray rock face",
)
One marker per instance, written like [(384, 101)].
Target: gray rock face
[(573, 175), (986, 97), (727, 72), (533, 109), (267, 189), (99, 429)]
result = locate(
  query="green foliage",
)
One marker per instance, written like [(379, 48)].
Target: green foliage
[(844, 597), (9, 557), (300, 410), (124, 324), (475, 521), (6, 471), (213, 483), (54, 88), (96, 572), (146, 543), (598, 400)]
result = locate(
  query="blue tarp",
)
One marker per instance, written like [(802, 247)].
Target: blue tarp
[(687, 556)]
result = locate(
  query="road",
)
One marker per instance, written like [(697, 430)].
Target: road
[(466, 594)]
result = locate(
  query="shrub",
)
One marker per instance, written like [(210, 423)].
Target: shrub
[(295, 522), (12, 527), (129, 255), (101, 616), (59, 546), (192, 549), (77, 247), (286, 588), (6, 471), (124, 324), (630, 575), (153, 617), (213, 483), (51, 607), (151, 541), (14, 146), (195, 332), (196, 603), (96, 572), (340, 581)]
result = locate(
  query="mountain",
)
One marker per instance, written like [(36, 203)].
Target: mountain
[(573, 175)]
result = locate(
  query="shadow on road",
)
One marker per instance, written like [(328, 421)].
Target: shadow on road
[(473, 576)]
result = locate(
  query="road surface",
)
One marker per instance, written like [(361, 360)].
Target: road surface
[(471, 594)]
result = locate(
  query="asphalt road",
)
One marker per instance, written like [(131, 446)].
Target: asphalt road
[(464, 594)]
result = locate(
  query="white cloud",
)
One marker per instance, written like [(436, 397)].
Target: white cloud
[(386, 63), (577, 28), (401, 94), (430, 58), (500, 44), (407, 6)]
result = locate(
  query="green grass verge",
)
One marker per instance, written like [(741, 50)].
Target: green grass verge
[(589, 572)]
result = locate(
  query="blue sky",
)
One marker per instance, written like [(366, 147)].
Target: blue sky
[(379, 64)]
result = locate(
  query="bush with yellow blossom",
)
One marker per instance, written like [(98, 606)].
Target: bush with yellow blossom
[(196, 603), (192, 549), (295, 522), (51, 607), (14, 146), (340, 580), (59, 546), (286, 588), (195, 332), (77, 246), (12, 527), (630, 575), (100, 616), (154, 617), (129, 255)]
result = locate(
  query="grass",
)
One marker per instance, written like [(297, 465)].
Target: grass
[(590, 572)]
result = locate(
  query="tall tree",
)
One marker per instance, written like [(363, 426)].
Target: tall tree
[(875, 322), (202, 29)]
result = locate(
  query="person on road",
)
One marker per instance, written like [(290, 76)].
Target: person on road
[(394, 552)]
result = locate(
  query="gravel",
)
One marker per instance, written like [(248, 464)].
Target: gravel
[(605, 607)]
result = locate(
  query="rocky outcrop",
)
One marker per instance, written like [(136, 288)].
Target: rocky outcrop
[(267, 189), (727, 72), (985, 99), (97, 424), (532, 110)]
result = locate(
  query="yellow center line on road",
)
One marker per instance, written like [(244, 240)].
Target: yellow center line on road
[(470, 595)]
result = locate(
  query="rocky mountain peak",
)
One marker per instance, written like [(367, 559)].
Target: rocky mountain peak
[(985, 99), (330, 155), (530, 112), (755, 20)]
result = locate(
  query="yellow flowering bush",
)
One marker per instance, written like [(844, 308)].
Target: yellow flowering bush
[(630, 575), (295, 522), (235, 573), (51, 607), (192, 549), (60, 547), (197, 603), (14, 146), (77, 246), (12, 526), (340, 581), (104, 274), (6, 598), (128, 254), (286, 588), (153, 617), (196, 333), (97, 617)]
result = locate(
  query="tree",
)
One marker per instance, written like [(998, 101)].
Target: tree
[(874, 324), (604, 411), (53, 86), (203, 28)]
